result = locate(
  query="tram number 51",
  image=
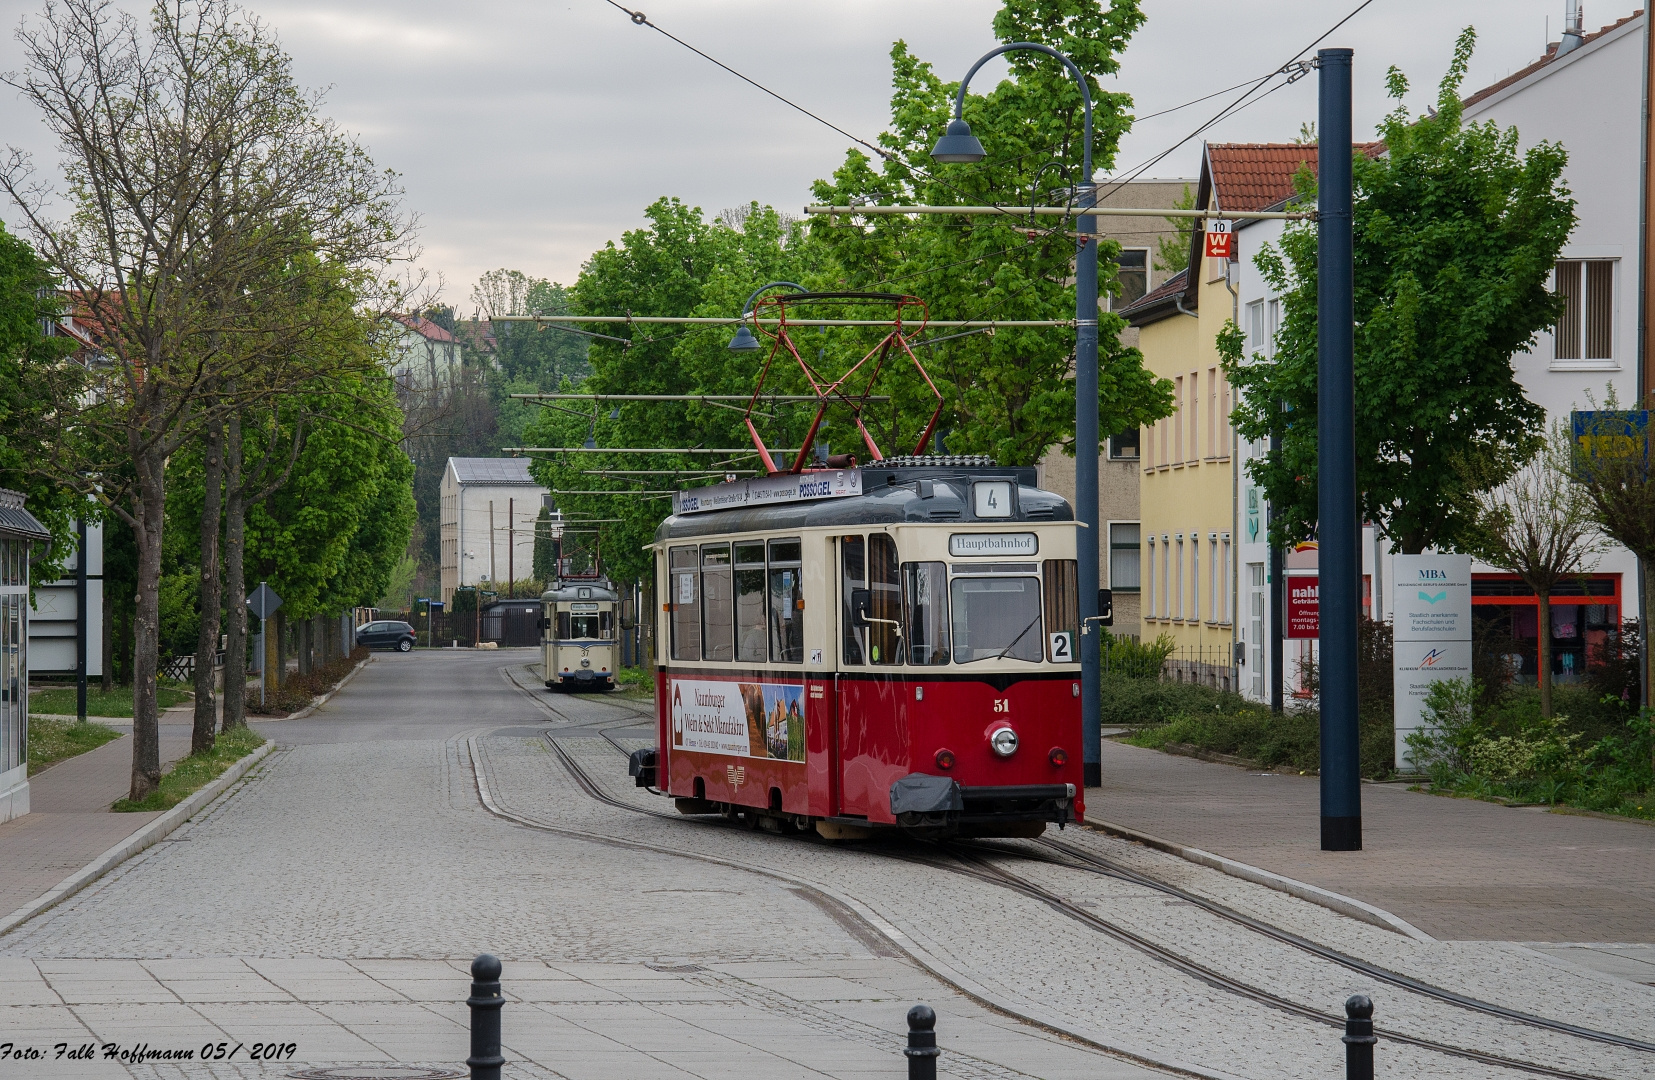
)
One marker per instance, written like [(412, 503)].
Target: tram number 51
[(1002, 704)]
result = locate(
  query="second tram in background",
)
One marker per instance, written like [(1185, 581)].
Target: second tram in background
[(579, 641)]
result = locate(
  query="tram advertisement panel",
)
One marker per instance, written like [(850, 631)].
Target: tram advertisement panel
[(742, 719)]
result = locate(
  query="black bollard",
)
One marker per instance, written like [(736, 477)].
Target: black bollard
[(922, 1043), (485, 1002), (1359, 1038)]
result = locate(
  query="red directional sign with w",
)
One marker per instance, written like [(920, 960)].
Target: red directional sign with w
[(1220, 240)]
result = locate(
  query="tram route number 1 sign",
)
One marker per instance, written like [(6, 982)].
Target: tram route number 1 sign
[(740, 719)]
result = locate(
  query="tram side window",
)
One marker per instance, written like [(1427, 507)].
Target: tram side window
[(606, 625), (717, 616), (925, 611), (884, 617), (685, 595), (1062, 577), (787, 603), (750, 639), (853, 577)]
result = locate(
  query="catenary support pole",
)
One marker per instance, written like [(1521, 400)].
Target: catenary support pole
[(1338, 530), (1278, 602), (81, 618)]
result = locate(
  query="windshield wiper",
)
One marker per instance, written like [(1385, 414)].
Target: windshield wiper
[(1019, 637)]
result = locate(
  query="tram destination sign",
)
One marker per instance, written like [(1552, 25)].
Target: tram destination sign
[(769, 491), (990, 544)]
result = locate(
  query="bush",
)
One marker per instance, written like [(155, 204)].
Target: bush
[(1129, 658), (1130, 702), (297, 691)]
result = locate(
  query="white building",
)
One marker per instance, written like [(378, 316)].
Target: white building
[(1588, 98), (490, 507), (426, 356)]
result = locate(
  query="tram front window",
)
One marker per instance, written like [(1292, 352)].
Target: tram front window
[(925, 600), (996, 617), (787, 601), (583, 626)]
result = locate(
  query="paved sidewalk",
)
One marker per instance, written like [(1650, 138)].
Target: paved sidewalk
[(1459, 869), (69, 823)]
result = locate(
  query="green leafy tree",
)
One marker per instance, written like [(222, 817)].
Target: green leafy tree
[(1456, 232), (1011, 393), (1172, 253)]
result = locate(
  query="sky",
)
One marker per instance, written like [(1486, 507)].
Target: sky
[(528, 133)]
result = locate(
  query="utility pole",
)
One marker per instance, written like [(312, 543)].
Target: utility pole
[(81, 619), (1338, 526), (511, 549), (1278, 602), (492, 578), (1646, 292)]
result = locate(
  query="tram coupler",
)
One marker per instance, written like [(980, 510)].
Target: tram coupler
[(641, 766)]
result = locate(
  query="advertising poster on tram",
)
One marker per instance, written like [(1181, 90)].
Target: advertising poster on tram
[(741, 719)]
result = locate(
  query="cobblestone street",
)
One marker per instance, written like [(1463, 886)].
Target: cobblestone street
[(429, 812)]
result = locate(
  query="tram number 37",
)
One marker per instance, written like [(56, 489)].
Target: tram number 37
[(1002, 704)]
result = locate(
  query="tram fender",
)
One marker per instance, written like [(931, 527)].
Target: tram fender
[(919, 793)]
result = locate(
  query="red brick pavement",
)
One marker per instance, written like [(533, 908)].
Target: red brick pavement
[(69, 823), (1455, 868)]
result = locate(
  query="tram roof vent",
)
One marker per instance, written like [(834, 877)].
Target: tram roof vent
[(934, 460)]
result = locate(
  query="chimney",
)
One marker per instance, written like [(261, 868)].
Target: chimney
[(1572, 37)]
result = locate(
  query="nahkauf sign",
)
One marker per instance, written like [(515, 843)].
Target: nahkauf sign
[(1431, 635), (1303, 618)]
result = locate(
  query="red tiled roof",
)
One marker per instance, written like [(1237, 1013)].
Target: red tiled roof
[(1257, 176), (1551, 54), (1172, 286), (425, 327)]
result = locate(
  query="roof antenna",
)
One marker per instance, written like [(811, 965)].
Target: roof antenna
[(1572, 38)]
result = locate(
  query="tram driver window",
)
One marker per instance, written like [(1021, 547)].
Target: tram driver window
[(750, 640), (717, 618), (685, 599), (925, 611), (996, 618), (787, 604), (853, 579)]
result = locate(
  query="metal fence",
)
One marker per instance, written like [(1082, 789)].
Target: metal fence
[(1209, 665)]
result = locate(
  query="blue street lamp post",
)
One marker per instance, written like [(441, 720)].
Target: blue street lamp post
[(960, 145)]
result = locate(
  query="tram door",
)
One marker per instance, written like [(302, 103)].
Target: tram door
[(869, 736)]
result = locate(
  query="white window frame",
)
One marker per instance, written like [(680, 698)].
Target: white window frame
[(1582, 362)]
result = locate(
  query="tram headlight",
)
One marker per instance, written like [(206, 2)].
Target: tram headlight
[(1003, 741)]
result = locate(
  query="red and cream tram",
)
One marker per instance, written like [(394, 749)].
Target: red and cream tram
[(892, 645)]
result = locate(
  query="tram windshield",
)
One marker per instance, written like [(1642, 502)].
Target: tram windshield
[(575, 626), (996, 618)]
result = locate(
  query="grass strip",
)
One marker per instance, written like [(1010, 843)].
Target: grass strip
[(52, 741), (118, 702), (195, 772)]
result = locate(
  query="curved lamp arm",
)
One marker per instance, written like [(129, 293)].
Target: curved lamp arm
[(744, 341), (747, 308), (1080, 80)]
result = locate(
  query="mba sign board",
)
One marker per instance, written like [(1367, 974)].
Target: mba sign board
[(1431, 636), (769, 491)]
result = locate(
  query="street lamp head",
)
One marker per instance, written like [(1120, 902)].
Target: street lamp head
[(958, 145), (744, 341)]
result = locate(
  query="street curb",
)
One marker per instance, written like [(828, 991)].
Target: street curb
[(915, 951), (1344, 905), (319, 702), (135, 843)]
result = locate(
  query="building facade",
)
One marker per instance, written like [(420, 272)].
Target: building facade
[(427, 356), (1118, 477), (489, 511)]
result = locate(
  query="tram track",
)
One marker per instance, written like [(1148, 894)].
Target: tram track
[(974, 859)]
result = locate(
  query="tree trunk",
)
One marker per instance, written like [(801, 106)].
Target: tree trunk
[(206, 647), (1544, 636), (150, 466), (302, 642), (235, 581), (281, 648)]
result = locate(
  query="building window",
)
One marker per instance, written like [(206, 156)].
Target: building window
[(1228, 575), (1166, 577), (1255, 327), (1255, 629), (1587, 329), (1124, 447), (1272, 322), (1178, 408), (1194, 386), (1123, 556), (1177, 612), (1213, 578), (1132, 272), (1148, 579), (1194, 612)]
